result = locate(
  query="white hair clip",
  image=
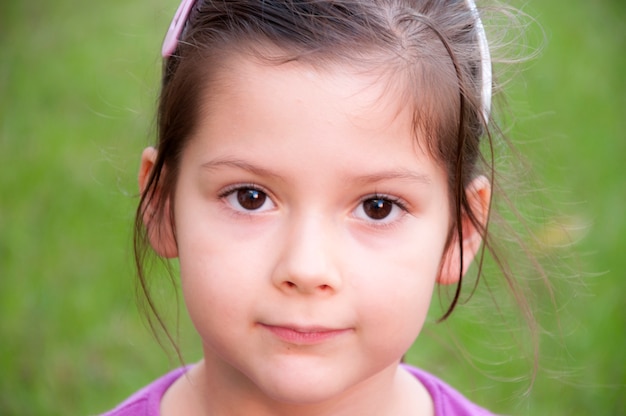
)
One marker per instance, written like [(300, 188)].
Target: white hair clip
[(485, 59)]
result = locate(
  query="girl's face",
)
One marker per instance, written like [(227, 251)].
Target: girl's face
[(310, 230)]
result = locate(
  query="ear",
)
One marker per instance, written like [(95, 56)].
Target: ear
[(478, 194), (158, 224)]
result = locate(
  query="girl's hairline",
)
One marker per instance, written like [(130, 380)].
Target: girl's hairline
[(179, 22)]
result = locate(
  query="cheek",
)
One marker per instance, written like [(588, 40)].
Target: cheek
[(401, 303), (405, 270), (392, 325), (213, 293), (396, 296)]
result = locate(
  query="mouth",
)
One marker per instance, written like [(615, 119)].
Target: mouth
[(304, 335)]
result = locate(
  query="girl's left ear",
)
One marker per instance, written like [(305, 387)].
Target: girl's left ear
[(479, 196)]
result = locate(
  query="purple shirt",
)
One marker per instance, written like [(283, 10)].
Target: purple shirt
[(447, 401)]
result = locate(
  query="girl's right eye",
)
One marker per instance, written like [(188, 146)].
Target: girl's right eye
[(248, 198)]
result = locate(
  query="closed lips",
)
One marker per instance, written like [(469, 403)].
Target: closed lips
[(304, 334)]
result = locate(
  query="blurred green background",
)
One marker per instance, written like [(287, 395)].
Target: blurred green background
[(78, 81)]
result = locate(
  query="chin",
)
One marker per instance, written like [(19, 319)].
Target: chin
[(304, 387), (305, 394)]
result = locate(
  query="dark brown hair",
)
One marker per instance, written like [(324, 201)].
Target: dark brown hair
[(427, 48)]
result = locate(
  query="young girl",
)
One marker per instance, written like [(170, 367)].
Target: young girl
[(317, 175)]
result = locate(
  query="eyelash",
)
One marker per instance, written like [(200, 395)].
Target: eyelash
[(401, 203), (232, 188)]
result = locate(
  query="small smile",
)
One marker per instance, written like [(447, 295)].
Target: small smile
[(304, 335)]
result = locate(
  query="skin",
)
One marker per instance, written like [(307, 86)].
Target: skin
[(305, 304)]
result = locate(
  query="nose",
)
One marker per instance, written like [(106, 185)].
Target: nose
[(307, 263)]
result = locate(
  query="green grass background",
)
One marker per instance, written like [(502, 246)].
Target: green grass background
[(77, 88)]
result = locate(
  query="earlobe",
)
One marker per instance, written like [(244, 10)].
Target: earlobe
[(157, 221), (478, 194)]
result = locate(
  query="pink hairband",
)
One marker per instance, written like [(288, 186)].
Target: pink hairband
[(176, 28), (180, 18)]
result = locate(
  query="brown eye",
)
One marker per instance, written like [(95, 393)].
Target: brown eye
[(248, 199), (378, 208), (251, 199)]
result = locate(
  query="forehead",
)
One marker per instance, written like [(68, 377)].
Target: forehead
[(292, 117), (360, 91)]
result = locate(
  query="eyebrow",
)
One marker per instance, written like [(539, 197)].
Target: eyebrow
[(238, 164), (382, 176), (395, 174)]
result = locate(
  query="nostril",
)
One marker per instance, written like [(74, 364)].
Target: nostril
[(290, 285)]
